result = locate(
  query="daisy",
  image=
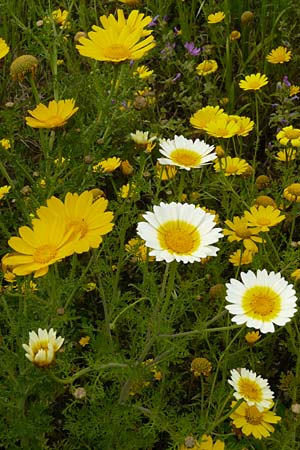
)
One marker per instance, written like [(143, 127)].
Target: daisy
[(119, 39), (289, 135), (264, 217), (206, 115), (216, 17), (279, 55), (108, 165), (42, 347), (240, 230), (252, 421), (222, 127), (253, 82), (4, 48), (82, 217), (261, 300), (206, 67), (245, 125), (60, 16), (186, 153), (292, 192), (56, 114), (179, 232), (143, 72), (254, 389), (294, 90), (231, 166), (286, 155)]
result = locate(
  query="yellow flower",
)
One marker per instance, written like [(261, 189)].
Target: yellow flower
[(22, 65), (207, 443), (5, 143), (296, 274), (109, 165), (56, 114), (292, 193), (241, 230), (241, 259), (165, 173), (203, 116), (289, 134), (4, 190), (265, 200), (201, 366), (294, 90), (126, 168), (42, 347), (286, 155), (60, 16), (127, 190), (252, 337), (136, 246), (81, 216), (245, 125), (143, 72), (279, 55), (84, 341), (222, 127), (206, 67), (216, 17), (4, 48), (252, 421), (231, 166), (253, 82), (118, 40), (141, 138), (264, 217), (130, 2), (235, 35)]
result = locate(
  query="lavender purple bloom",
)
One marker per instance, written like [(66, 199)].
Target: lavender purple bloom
[(192, 50)]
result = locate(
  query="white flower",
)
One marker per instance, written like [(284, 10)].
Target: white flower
[(252, 388), (179, 232), (142, 137), (186, 153), (261, 300), (42, 347)]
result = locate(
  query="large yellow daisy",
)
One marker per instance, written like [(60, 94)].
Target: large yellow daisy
[(205, 115), (253, 82), (81, 216), (56, 114), (279, 55), (119, 40)]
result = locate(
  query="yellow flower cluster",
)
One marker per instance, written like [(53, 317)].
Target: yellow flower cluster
[(60, 230)]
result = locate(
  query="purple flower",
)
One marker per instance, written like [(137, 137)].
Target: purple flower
[(177, 76), (192, 50), (154, 21), (286, 81)]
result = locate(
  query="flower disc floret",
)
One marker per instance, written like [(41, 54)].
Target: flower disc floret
[(253, 82), (56, 114), (252, 388), (261, 300), (179, 232), (119, 40), (186, 153)]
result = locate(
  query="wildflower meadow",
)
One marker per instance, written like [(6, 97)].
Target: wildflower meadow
[(150, 244)]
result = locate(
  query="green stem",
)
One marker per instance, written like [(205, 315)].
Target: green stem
[(85, 371)]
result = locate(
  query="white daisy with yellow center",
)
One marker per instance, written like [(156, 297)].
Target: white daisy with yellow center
[(179, 232), (261, 300), (186, 153), (254, 389)]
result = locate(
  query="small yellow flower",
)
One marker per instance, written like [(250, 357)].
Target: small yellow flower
[(42, 347), (128, 190), (253, 82), (296, 274), (216, 17), (252, 337), (136, 246), (222, 127), (201, 366), (84, 341), (109, 165), (4, 48), (22, 65), (241, 259), (206, 67), (90, 287), (264, 217), (130, 2), (289, 135), (201, 118), (286, 155), (5, 143), (294, 90), (220, 152), (60, 16), (126, 168), (235, 35), (143, 72), (279, 55), (4, 190), (241, 230), (245, 124), (166, 172), (292, 192), (56, 114), (231, 166), (141, 138)]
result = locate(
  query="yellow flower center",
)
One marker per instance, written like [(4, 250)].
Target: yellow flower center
[(207, 66), (117, 52), (254, 84), (243, 232), (250, 390), (261, 302), (253, 416), (186, 157), (179, 237), (231, 168), (79, 227), (44, 254), (55, 121), (263, 221), (292, 134)]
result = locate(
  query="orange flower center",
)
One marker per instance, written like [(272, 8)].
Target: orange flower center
[(79, 227), (253, 416), (44, 254)]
